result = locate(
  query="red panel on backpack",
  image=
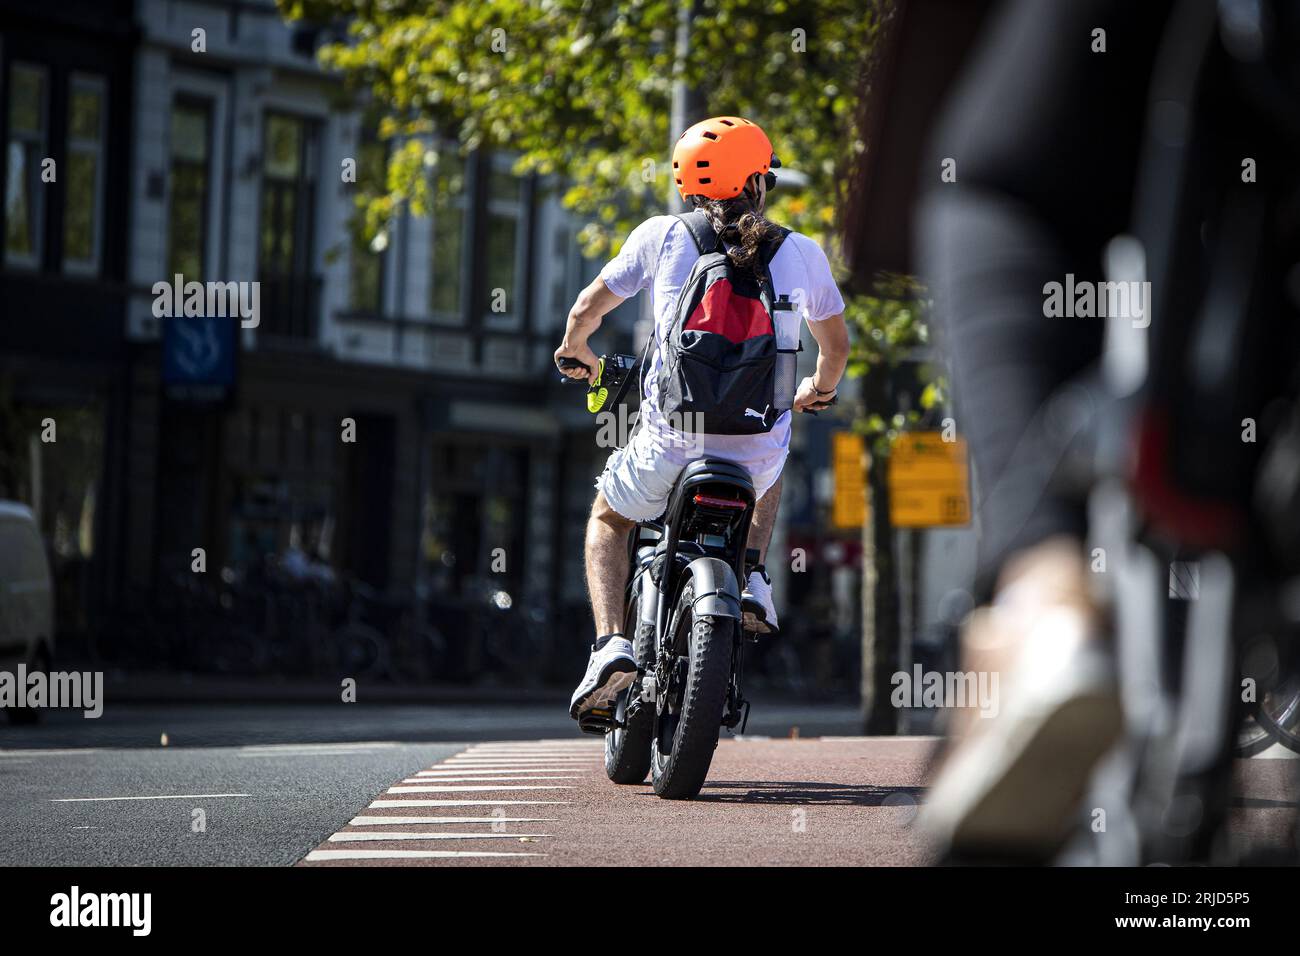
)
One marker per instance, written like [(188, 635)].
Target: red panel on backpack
[(735, 317)]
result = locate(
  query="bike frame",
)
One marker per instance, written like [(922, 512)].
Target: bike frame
[(703, 536)]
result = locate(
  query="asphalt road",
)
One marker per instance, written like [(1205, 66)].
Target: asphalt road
[(272, 781), (331, 785)]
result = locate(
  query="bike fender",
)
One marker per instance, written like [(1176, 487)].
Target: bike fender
[(716, 592)]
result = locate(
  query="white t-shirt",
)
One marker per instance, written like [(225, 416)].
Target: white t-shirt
[(661, 252)]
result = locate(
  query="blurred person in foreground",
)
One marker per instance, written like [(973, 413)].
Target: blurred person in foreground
[(1045, 132)]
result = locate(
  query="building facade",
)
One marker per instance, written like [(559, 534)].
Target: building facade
[(392, 414)]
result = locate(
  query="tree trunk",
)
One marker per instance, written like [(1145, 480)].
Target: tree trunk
[(879, 607), (879, 579), (687, 101)]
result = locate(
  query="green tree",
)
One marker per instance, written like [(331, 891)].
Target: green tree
[(582, 89)]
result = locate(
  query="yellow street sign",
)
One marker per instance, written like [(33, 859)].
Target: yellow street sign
[(929, 482), (849, 507)]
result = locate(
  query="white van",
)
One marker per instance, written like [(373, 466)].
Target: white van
[(26, 598)]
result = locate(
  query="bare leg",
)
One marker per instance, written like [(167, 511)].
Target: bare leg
[(760, 528), (606, 553)]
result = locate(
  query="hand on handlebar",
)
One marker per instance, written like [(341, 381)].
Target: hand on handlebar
[(576, 362), (809, 401)]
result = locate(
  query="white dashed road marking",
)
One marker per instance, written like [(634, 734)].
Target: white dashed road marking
[(326, 855), (504, 775), (404, 802), (170, 796), (440, 821), (397, 836), (467, 789)]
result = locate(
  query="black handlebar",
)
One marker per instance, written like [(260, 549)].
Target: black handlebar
[(821, 406), (567, 362)]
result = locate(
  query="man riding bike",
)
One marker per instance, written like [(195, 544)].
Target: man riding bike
[(722, 168)]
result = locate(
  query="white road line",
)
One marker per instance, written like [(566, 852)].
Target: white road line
[(530, 753), (902, 738), (467, 789), (478, 779), (440, 821), (326, 745), (578, 744), (521, 761), (496, 771), (575, 741), (47, 753), (1277, 751), (322, 855), (536, 749), (171, 796), (406, 802), (513, 768), (305, 753), (399, 835)]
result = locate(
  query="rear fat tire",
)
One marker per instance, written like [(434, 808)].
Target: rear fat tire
[(679, 774), (627, 750)]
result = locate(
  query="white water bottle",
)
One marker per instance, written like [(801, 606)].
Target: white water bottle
[(786, 320)]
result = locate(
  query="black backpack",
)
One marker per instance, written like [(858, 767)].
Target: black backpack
[(719, 373)]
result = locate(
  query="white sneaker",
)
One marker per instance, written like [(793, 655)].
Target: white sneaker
[(759, 614), (610, 670)]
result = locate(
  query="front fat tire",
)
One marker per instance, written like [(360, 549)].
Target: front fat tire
[(627, 751), (679, 775)]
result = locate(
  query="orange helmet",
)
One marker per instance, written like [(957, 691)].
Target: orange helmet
[(716, 157)]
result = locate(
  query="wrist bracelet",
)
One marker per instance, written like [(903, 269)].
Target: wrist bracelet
[(820, 392)]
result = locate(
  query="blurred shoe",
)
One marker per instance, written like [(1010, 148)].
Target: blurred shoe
[(610, 669), (758, 613), (1011, 784)]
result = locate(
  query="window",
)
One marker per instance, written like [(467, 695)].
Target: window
[(505, 204), (84, 176), (24, 192), (290, 297), (187, 224), (449, 203), (367, 265), (288, 195)]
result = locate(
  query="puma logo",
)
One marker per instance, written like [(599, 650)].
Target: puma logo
[(761, 416)]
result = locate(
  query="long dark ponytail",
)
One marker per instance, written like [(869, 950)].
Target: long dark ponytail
[(740, 223)]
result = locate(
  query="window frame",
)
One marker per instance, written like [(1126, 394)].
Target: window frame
[(464, 205), (87, 267), (517, 209), (307, 186), (185, 98), (28, 262)]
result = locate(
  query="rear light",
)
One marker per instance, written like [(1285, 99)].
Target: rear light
[(709, 501), (1189, 519)]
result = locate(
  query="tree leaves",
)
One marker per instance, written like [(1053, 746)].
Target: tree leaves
[(582, 89)]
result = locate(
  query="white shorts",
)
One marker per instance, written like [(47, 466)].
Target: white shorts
[(638, 479)]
